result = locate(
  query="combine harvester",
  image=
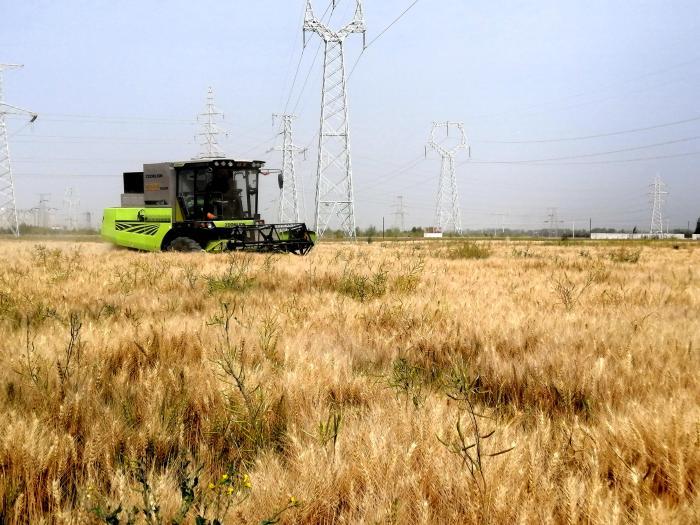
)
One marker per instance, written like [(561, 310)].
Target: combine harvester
[(200, 205)]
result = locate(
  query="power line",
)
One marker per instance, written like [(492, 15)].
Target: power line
[(398, 171), (544, 162), (42, 175), (107, 175), (308, 75), (67, 139), (35, 160), (61, 117), (535, 216), (381, 33), (294, 81), (291, 57), (588, 155), (259, 145), (20, 130), (600, 212), (527, 110), (379, 182), (594, 162), (393, 174), (587, 137)]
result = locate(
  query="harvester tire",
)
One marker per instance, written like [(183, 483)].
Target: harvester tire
[(184, 244)]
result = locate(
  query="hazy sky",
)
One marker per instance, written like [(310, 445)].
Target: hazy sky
[(120, 83)]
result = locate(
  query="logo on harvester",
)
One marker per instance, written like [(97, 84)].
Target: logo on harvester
[(137, 227)]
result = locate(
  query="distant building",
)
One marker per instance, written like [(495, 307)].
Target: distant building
[(697, 228), (432, 233)]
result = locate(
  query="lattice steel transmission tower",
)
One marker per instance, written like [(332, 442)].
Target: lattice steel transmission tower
[(71, 203), (210, 130), (658, 198), (447, 211), (553, 220), (86, 222), (26, 217), (334, 187), (44, 212), (289, 196), (400, 213), (8, 204)]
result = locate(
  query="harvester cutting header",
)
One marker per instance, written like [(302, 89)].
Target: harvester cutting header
[(205, 204)]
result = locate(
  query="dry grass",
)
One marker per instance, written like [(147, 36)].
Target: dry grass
[(371, 383)]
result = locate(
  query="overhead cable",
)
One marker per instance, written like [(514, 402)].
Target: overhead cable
[(587, 137)]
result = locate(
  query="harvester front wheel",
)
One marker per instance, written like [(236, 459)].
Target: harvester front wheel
[(184, 244)]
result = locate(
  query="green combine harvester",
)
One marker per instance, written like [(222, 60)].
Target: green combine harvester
[(199, 205)]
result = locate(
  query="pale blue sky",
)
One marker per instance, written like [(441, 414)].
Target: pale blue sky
[(117, 84)]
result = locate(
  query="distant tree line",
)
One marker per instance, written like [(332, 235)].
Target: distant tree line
[(372, 232), (26, 229)]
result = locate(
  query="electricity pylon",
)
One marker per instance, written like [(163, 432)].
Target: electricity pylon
[(44, 211), (657, 212), (8, 204), (447, 211), (553, 220), (27, 217), (334, 188), (289, 197), (400, 214), (71, 203), (210, 130)]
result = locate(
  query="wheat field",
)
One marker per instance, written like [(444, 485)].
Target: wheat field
[(418, 382)]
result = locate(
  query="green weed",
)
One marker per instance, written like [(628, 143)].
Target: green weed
[(406, 379), (237, 277), (364, 287), (625, 255), (468, 250)]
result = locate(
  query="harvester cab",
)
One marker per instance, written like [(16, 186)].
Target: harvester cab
[(207, 204)]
